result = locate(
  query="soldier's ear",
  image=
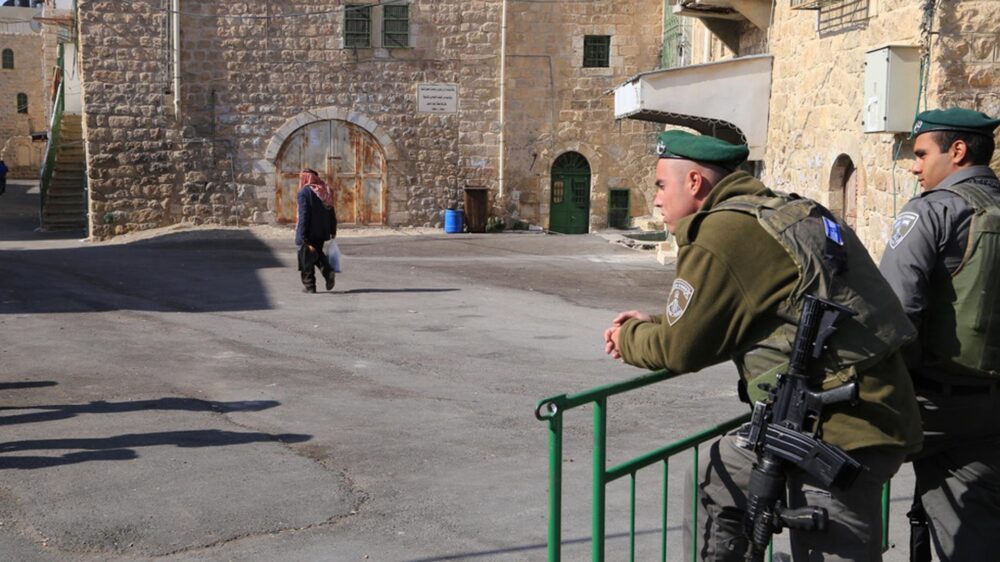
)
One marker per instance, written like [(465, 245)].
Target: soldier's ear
[(958, 151)]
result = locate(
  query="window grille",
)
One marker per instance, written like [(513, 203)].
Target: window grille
[(618, 208), (8, 58), (596, 51), (395, 26), (811, 4), (22, 103), (357, 26)]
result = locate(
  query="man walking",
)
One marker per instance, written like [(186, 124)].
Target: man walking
[(317, 223)]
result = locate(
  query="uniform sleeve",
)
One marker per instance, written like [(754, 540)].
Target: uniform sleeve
[(911, 255), (302, 226), (706, 313)]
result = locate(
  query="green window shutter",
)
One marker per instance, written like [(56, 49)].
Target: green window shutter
[(357, 26), (395, 26), (596, 51)]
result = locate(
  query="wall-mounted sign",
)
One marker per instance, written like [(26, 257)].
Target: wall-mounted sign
[(437, 98)]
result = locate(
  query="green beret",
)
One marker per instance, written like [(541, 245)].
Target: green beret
[(700, 148), (954, 119)]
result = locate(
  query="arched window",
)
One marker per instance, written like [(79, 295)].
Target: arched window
[(8, 58), (22, 103)]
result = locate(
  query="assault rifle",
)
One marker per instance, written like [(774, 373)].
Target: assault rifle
[(783, 433)]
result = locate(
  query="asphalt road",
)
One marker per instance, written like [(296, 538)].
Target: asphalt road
[(179, 398)]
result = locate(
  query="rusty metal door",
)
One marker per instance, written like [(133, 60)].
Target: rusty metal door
[(347, 157)]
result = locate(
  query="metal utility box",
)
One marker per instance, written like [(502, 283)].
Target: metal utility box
[(892, 83)]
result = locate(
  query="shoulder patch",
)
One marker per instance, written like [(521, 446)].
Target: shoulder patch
[(678, 300), (903, 225)]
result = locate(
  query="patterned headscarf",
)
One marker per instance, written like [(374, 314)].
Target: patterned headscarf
[(311, 178)]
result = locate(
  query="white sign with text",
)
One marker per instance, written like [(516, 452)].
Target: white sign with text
[(437, 98)]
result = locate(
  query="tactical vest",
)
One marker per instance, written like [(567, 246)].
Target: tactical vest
[(833, 265), (961, 331)]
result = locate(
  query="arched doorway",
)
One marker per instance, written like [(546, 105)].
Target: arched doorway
[(844, 190), (569, 212), (347, 157)]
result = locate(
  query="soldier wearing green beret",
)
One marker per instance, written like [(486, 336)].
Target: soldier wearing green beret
[(747, 257), (943, 262)]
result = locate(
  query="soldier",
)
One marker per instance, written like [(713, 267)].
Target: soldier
[(943, 261), (747, 257)]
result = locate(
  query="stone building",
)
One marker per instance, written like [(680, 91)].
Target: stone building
[(203, 112), (23, 95), (846, 79)]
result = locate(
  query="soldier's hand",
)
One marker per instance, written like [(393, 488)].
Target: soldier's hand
[(630, 314), (611, 342), (611, 334)]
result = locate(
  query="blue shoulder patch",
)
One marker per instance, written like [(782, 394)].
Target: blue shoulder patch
[(833, 231)]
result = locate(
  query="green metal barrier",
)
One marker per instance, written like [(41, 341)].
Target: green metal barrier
[(552, 409)]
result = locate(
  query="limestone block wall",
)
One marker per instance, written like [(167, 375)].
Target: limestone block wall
[(966, 58), (21, 155), (555, 105), (817, 97), (251, 69)]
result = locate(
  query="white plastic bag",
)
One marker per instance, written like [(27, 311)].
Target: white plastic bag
[(333, 254)]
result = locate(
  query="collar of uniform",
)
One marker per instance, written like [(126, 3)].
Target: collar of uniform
[(734, 185), (963, 175)]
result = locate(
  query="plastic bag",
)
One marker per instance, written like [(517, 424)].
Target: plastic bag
[(333, 254)]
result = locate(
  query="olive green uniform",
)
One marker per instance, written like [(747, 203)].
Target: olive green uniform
[(958, 471), (734, 281)]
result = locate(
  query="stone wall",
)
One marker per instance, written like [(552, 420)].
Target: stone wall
[(250, 69), (817, 97), (21, 155), (254, 72), (555, 105)]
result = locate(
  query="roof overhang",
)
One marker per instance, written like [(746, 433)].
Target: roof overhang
[(728, 99)]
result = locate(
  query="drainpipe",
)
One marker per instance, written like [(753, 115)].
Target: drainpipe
[(503, 85), (175, 15)]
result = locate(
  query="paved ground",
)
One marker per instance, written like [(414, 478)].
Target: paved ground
[(176, 397)]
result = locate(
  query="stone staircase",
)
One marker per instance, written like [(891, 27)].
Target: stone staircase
[(65, 206)]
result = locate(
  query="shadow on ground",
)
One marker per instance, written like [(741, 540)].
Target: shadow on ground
[(204, 271), (121, 447)]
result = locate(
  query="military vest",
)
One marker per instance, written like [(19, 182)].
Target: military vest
[(962, 326), (833, 265)]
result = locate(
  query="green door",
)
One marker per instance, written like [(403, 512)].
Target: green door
[(569, 212)]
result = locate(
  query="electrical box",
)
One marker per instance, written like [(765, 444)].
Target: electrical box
[(892, 84)]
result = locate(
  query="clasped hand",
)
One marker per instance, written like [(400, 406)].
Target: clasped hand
[(611, 334)]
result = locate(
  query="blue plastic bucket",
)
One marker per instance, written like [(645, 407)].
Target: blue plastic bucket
[(453, 221)]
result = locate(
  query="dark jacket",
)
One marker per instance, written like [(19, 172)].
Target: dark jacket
[(316, 222)]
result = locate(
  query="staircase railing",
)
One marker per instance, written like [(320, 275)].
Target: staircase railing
[(55, 124)]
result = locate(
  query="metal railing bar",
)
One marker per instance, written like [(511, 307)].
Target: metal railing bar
[(555, 488), (600, 451), (886, 492), (631, 520), (694, 507), (647, 459), (569, 401), (663, 523)]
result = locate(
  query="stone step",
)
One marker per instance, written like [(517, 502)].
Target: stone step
[(76, 172)]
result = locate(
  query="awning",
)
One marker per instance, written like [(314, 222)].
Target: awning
[(728, 99)]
